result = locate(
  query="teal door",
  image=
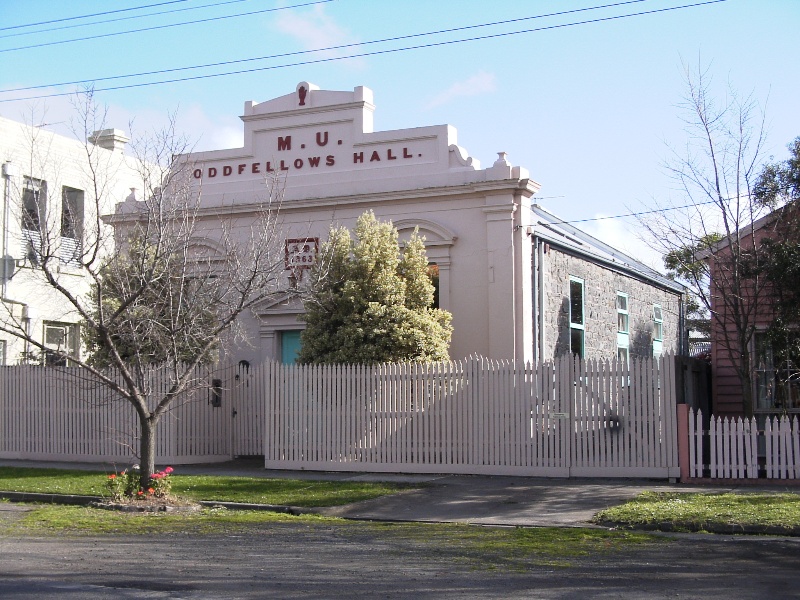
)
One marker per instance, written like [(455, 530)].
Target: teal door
[(290, 346)]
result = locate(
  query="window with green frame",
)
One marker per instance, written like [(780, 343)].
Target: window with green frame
[(576, 317), (623, 327), (658, 330)]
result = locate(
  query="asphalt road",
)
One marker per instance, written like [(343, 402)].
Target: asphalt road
[(362, 560), (359, 559)]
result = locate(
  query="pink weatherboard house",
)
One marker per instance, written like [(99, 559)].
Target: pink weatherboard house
[(738, 296)]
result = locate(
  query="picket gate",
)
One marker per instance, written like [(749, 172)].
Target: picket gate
[(559, 418)]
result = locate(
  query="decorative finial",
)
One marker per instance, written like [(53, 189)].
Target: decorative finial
[(501, 160)]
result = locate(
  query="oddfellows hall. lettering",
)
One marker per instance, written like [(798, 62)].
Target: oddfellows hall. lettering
[(284, 144)]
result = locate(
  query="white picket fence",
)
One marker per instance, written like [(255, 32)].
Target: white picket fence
[(562, 418), (62, 414), (559, 419), (735, 445)]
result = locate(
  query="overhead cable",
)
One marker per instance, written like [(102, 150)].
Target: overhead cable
[(376, 52), (327, 49), (100, 14), (117, 19), (143, 29), (633, 214)]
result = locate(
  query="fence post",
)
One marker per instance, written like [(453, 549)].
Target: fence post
[(683, 440)]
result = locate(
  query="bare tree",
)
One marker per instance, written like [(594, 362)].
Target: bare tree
[(168, 277), (704, 231)]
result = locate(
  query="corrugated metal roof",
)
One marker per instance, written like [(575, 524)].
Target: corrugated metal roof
[(557, 232)]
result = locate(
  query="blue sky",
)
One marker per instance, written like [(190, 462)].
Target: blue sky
[(590, 110)]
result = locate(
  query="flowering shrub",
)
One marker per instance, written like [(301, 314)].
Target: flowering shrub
[(127, 485), (124, 485), (160, 484), (114, 485)]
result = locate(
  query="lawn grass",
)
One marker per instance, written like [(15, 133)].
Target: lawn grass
[(698, 511), (53, 481), (489, 548), (288, 492), (515, 547), (53, 519), (255, 490)]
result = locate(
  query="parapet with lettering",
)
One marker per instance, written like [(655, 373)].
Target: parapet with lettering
[(323, 143)]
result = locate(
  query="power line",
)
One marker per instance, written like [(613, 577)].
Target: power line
[(374, 53), (329, 48), (143, 29), (100, 14), (128, 18), (634, 214)]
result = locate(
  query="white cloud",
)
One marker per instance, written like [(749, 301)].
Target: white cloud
[(60, 115), (202, 131), (57, 114), (315, 29), (215, 132), (480, 83)]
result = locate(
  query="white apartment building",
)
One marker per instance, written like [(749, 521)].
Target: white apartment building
[(50, 191)]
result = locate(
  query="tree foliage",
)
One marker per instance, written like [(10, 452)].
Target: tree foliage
[(155, 310), (372, 303), (683, 264), (779, 182), (783, 272), (778, 186)]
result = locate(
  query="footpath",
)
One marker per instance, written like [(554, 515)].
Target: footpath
[(475, 499)]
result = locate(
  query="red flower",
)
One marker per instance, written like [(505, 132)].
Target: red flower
[(112, 476), (168, 470), (140, 493), (151, 490)]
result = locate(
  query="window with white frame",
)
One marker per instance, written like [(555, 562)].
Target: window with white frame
[(34, 195), (576, 317), (60, 342), (433, 273), (623, 354), (658, 330), (71, 224), (34, 198), (623, 327), (777, 374)]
